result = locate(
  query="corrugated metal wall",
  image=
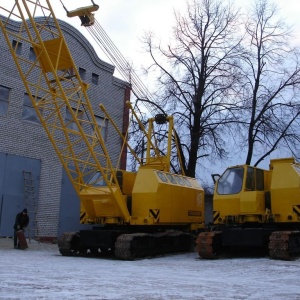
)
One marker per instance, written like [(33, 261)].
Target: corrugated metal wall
[(69, 210), (12, 195)]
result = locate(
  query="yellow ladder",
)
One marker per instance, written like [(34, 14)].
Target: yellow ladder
[(31, 204)]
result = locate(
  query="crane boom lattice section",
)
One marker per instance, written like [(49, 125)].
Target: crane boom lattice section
[(56, 91)]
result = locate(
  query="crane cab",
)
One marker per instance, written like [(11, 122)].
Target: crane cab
[(240, 195)]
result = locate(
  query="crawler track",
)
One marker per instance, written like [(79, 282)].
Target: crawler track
[(209, 244), (284, 245), (141, 245), (68, 244), (130, 246)]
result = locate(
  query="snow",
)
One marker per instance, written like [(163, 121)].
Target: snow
[(40, 272)]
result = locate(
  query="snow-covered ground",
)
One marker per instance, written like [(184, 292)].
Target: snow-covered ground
[(40, 272)]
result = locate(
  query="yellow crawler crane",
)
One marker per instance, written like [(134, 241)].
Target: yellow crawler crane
[(256, 210), (135, 214)]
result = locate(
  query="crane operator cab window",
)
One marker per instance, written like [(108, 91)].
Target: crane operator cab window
[(231, 182), (254, 179)]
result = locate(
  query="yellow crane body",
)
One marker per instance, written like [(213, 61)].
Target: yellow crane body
[(257, 210), (135, 214)]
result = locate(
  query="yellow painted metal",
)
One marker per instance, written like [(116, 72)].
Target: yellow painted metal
[(178, 153), (156, 161), (248, 205), (128, 182), (252, 202), (279, 200), (53, 54), (120, 133), (54, 86), (101, 202), (285, 190), (232, 206), (168, 201)]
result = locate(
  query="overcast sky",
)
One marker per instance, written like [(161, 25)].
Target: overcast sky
[(126, 21)]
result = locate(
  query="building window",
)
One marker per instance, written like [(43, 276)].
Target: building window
[(4, 99), (102, 125), (32, 56), (70, 123), (95, 78), (29, 112), (82, 73), (17, 46)]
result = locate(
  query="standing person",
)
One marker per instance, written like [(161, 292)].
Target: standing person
[(21, 222)]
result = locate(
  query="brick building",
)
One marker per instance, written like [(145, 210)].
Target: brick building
[(24, 145)]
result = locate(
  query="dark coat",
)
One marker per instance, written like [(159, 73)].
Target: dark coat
[(21, 222)]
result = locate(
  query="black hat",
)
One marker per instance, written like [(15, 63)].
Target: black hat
[(25, 210)]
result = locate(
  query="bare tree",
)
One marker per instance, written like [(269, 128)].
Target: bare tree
[(270, 86), (197, 78)]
